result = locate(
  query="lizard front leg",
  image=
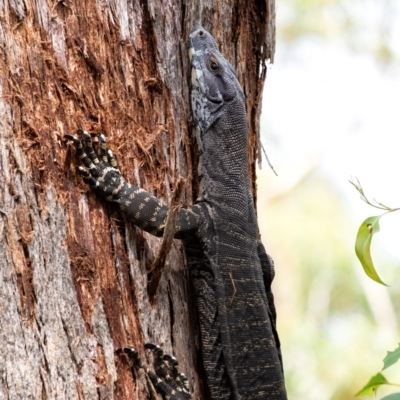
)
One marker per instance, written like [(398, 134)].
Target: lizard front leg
[(144, 210)]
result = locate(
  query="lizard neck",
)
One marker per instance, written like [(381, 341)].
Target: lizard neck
[(223, 166)]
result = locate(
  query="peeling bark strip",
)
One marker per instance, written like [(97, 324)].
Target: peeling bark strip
[(73, 274), (89, 57)]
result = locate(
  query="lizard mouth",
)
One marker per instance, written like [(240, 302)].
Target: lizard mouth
[(199, 86), (198, 78)]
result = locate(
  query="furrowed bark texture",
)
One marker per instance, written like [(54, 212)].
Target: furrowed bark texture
[(73, 273)]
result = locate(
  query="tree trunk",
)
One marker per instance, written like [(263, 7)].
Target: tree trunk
[(73, 272)]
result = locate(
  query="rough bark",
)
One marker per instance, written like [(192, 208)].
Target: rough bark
[(73, 272)]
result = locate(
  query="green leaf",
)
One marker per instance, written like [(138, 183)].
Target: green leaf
[(391, 358), (372, 386), (393, 396), (363, 246)]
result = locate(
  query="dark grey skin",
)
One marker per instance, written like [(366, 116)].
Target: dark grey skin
[(228, 266)]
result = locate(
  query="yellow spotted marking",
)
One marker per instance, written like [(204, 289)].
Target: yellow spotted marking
[(118, 189)]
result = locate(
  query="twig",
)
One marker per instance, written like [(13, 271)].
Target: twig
[(377, 204), (266, 156), (234, 288), (169, 232)]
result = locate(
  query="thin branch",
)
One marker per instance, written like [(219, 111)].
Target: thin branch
[(169, 232), (234, 288), (266, 156), (376, 204)]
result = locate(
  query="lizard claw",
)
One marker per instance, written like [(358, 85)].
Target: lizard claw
[(72, 138)]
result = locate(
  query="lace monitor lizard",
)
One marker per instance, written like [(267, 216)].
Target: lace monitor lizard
[(228, 265)]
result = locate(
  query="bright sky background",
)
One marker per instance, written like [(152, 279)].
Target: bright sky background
[(330, 107)]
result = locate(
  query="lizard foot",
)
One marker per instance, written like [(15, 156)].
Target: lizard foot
[(171, 383), (101, 170)]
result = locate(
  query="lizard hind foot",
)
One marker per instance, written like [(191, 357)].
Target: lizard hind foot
[(166, 378), (166, 369), (132, 354), (166, 366)]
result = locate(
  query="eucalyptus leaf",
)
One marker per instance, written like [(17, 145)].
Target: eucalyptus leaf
[(363, 246), (372, 386), (393, 396), (391, 358)]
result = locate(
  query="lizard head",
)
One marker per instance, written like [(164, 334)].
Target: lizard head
[(213, 79)]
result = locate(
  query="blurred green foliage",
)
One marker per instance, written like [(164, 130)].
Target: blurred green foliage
[(331, 341)]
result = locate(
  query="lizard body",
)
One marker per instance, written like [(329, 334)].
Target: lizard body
[(228, 266)]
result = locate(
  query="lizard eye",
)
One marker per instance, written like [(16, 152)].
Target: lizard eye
[(213, 65)]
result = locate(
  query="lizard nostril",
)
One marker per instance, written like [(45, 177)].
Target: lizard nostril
[(201, 33)]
